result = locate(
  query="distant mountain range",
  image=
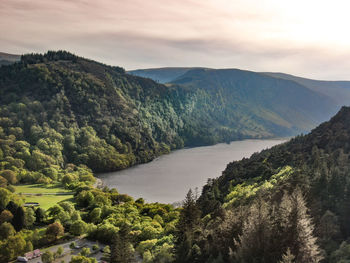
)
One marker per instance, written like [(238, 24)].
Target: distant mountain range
[(7, 59), (338, 91), (210, 105)]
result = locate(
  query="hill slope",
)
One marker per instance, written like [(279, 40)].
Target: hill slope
[(68, 109), (339, 91), (7, 59), (317, 165), (275, 102)]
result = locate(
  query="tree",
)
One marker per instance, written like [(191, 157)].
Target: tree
[(78, 228), (59, 252), (39, 215), (29, 217), (301, 229), (82, 259), (3, 181), (13, 246), (187, 228), (342, 254), (122, 250), (95, 247), (54, 230), (47, 257), (72, 245), (18, 220), (29, 246), (5, 216), (253, 243), (5, 197), (288, 257), (95, 215), (9, 175), (6, 230), (85, 251)]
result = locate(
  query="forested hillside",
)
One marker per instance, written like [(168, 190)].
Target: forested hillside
[(274, 103), (58, 108), (63, 117), (286, 204)]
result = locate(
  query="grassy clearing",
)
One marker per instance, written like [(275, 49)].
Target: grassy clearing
[(46, 201), (45, 195), (40, 189)]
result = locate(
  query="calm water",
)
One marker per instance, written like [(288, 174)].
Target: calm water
[(168, 178)]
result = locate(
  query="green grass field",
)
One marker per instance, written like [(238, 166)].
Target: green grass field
[(40, 189), (46, 201), (45, 195)]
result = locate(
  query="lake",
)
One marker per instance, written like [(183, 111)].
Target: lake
[(168, 178)]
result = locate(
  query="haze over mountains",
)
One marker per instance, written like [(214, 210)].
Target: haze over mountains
[(338, 91), (7, 59)]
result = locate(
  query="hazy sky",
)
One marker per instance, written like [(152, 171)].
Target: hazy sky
[(304, 37)]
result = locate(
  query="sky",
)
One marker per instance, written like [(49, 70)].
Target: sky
[(302, 37)]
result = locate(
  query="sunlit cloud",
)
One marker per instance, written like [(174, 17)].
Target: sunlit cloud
[(307, 38)]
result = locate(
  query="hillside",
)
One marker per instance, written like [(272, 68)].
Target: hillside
[(73, 110), (7, 59), (307, 175), (273, 102), (339, 91)]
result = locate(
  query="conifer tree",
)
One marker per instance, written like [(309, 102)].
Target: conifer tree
[(121, 249), (300, 229), (188, 228), (253, 244), (288, 257)]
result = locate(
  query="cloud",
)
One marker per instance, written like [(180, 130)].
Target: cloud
[(306, 39)]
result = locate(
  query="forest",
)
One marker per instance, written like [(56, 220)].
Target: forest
[(286, 204), (64, 118)]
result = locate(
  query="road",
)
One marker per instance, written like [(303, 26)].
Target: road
[(69, 253)]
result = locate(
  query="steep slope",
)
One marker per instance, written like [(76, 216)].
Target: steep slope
[(273, 102), (339, 91), (161, 75), (69, 109), (87, 112), (58, 108), (317, 164)]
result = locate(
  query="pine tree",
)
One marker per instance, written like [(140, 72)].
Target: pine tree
[(288, 257), (122, 249), (18, 220), (253, 244), (187, 230), (300, 229)]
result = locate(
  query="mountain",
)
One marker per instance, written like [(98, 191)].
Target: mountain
[(68, 109), (339, 91), (305, 179), (7, 59), (273, 102), (73, 110), (161, 75)]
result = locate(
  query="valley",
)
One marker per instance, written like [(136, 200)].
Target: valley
[(67, 120)]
